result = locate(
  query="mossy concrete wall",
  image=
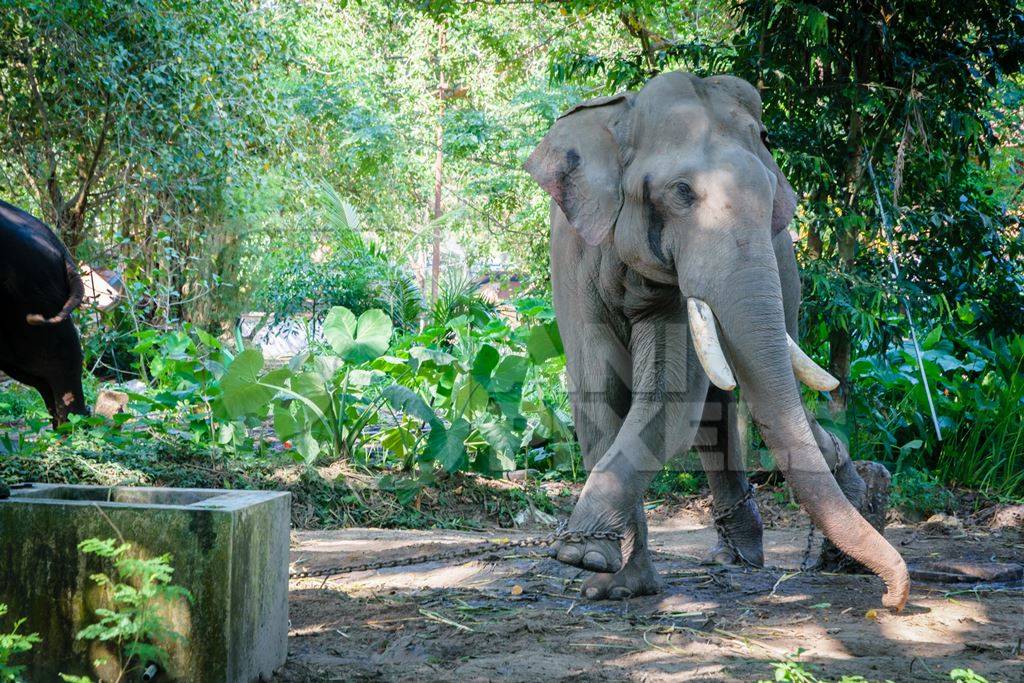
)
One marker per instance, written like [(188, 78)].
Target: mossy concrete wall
[(228, 548)]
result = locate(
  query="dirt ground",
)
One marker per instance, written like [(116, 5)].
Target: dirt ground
[(523, 620)]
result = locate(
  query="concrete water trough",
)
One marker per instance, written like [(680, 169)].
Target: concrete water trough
[(228, 548)]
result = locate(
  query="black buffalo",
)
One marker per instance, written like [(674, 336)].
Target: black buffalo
[(39, 288)]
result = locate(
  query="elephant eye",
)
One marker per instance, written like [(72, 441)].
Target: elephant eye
[(765, 140), (686, 193)]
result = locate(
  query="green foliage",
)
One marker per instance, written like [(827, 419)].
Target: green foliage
[(13, 644), (669, 482), (791, 670), (217, 152), (978, 391), (421, 404), (919, 492), (142, 588), (344, 267), (321, 404)]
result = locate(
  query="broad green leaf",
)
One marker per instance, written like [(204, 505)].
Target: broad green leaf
[(242, 393), (933, 338), (289, 420), (483, 365), (544, 342), (409, 402), (340, 328), (507, 384), (471, 397), (311, 386), (448, 446), (399, 440), (307, 446), (503, 440), (327, 366), (424, 355), (361, 340)]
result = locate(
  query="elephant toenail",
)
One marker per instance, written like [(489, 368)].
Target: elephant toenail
[(570, 554), (591, 593), (620, 593), (595, 561)]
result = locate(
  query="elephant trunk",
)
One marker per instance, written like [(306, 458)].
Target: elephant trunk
[(750, 313)]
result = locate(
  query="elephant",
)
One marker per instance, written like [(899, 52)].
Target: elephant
[(674, 281), (39, 288)]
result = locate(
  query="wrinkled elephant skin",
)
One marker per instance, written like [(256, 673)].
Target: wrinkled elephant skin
[(673, 274)]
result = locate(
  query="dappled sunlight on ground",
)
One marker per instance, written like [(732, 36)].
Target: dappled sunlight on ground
[(523, 619)]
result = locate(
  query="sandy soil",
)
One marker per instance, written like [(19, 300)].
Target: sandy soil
[(522, 619)]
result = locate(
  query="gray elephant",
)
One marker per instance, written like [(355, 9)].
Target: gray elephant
[(674, 280)]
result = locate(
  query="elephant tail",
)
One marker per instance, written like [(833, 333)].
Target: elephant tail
[(76, 290)]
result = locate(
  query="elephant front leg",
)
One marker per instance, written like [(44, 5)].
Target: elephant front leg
[(667, 398), (737, 520), (637, 576)]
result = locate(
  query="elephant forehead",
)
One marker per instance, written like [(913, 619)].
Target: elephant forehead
[(694, 124), (682, 109), (736, 89)]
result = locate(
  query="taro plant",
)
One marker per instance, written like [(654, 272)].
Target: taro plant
[(186, 368), (321, 403), (480, 403), (482, 413)]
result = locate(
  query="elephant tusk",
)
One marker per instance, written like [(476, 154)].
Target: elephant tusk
[(705, 342), (809, 372)]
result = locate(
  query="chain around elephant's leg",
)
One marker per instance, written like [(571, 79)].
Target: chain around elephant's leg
[(637, 576), (737, 520)]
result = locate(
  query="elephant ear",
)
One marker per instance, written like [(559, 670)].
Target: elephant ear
[(784, 206), (579, 164)]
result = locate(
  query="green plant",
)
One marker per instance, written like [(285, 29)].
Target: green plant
[(141, 590), (920, 492), (11, 645), (671, 482), (790, 670), (321, 403), (348, 270), (977, 388), (459, 295)]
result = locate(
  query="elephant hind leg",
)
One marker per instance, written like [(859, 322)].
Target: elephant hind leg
[(737, 519), (865, 484)]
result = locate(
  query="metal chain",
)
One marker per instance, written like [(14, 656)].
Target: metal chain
[(495, 545), (804, 563), (482, 548), (720, 523)]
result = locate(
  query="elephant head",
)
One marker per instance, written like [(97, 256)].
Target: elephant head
[(678, 179)]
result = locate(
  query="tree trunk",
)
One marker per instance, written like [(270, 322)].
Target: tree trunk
[(841, 347), (435, 210)]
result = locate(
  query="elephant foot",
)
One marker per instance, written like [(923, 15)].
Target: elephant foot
[(635, 579), (724, 554), (596, 554), (870, 495), (740, 536), (598, 525)]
